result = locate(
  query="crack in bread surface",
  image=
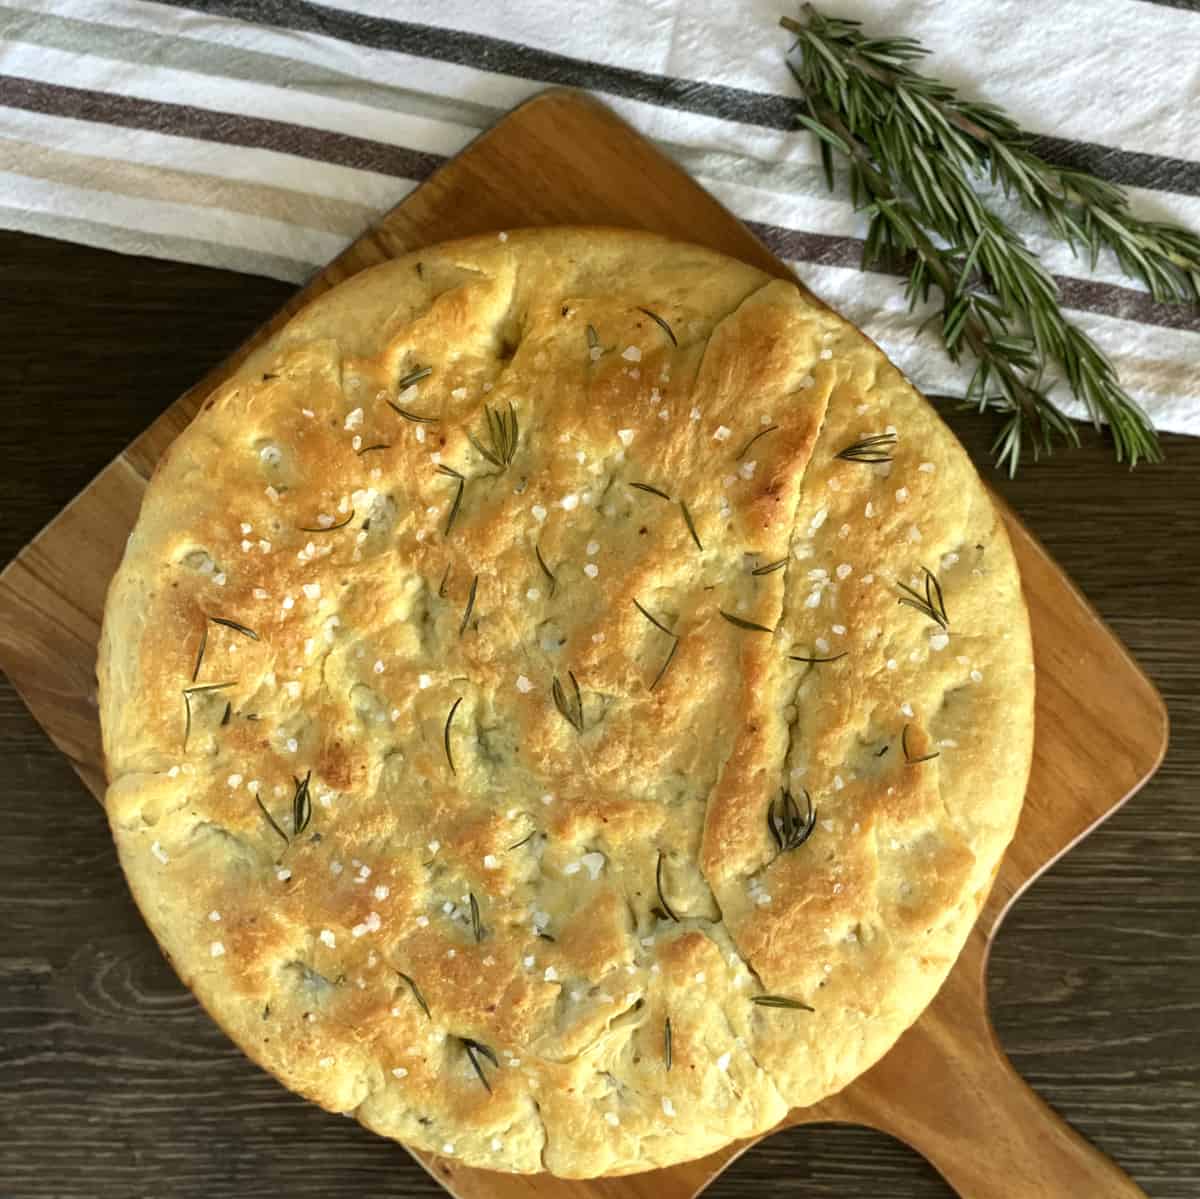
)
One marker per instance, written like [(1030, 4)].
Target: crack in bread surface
[(551, 832)]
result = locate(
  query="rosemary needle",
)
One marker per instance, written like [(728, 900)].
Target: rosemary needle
[(446, 734)]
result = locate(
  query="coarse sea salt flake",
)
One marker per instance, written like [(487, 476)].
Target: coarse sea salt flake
[(523, 684), (939, 641), (626, 436), (161, 854), (489, 861), (722, 433), (723, 1062), (216, 949), (631, 354)]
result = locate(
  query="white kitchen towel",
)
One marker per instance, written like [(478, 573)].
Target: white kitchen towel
[(263, 135)]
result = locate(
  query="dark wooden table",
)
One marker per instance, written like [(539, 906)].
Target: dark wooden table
[(113, 1083)]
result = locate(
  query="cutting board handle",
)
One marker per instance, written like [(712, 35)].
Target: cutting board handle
[(988, 1133)]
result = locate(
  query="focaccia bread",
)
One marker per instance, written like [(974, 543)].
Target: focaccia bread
[(565, 700)]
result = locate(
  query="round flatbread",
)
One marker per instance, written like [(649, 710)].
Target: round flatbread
[(565, 701)]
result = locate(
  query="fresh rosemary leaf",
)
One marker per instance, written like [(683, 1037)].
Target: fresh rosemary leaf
[(658, 320), (537, 549), (412, 986), (571, 708), (869, 449), (662, 495), (451, 473), (476, 923), (475, 1050), (663, 668), (761, 433), (233, 624), (771, 567), (379, 445), (915, 149), (328, 528), (470, 605), (414, 417), (271, 819), (691, 525), (415, 376), (804, 658), (667, 1043), (781, 1001), (749, 625), (658, 624), (658, 882), (446, 734), (908, 758), (301, 805), (789, 830), (523, 841), (931, 604)]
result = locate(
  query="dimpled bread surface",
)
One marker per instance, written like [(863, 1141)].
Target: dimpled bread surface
[(511, 788)]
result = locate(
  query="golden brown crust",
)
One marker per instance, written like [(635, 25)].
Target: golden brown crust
[(581, 867)]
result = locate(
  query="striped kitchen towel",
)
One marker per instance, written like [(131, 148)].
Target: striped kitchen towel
[(263, 135)]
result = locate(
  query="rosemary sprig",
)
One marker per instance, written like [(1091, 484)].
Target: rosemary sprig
[(475, 1050), (931, 604), (913, 147), (476, 923), (328, 528), (188, 692), (658, 320), (301, 805), (748, 625), (667, 1043), (789, 830), (658, 883), (870, 449), (462, 628), (416, 991), (908, 758), (451, 473), (783, 1001), (570, 707), (504, 433), (761, 433), (691, 525), (446, 734), (537, 549)]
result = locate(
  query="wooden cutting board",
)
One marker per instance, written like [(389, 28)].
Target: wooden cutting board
[(946, 1088)]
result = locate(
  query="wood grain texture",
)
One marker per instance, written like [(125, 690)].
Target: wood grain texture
[(269, 1144)]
